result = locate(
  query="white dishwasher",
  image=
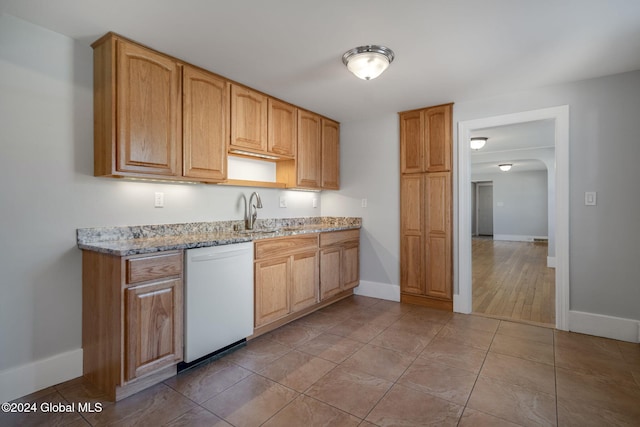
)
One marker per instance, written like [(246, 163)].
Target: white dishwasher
[(218, 298)]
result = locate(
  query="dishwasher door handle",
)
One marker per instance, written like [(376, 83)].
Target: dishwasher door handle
[(218, 255)]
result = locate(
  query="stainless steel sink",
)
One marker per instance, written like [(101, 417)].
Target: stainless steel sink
[(259, 231)]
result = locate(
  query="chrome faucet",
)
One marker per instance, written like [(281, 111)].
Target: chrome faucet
[(251, 215)]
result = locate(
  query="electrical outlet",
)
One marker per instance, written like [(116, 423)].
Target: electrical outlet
[(364, 203), (283, 202), (159, 200), (314, 202)]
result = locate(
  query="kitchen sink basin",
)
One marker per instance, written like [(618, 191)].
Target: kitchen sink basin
[(259, 231)]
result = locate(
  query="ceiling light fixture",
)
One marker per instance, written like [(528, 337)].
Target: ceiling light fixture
[(505, 167), (477, 142), (368, 62)]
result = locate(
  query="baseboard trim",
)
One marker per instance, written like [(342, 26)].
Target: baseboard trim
[(551, 262), (386, 291), (34, 376), (616, 328), (518, 238), (460, 305)]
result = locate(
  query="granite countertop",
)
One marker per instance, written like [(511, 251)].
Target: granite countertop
[(133, 240)]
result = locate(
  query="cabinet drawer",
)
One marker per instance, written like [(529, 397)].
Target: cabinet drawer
[(154, 267), (336, 237), (284, 246)]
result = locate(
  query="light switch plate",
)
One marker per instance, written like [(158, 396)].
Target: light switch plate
[(590, 198), (364, 203), (159, 200), (314, 202), (283, 202)]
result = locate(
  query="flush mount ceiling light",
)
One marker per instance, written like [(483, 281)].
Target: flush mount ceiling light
[(477, 142), (505, 167), (368, 62)]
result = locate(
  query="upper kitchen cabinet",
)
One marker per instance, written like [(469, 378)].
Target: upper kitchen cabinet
[(317, 162), (425, 140), (283, 128), (330, 155), (137, 110), (248, 120), (205, 125), (309, 157), (158, 117)]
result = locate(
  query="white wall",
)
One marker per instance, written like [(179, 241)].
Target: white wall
[(370, 169), (519, 203), (47, 191)]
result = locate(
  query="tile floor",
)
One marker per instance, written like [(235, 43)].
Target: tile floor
[(370, 362)]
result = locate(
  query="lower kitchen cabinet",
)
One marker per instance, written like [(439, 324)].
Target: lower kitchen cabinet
[(425, 240), (300, 274), (304, 280), (153, 319), (272, 301), (339, 262), (131, 320), (286, 276)]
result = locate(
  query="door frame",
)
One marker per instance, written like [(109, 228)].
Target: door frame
[(462, 301)]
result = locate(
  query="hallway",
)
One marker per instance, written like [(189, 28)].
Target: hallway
[(511, 280)]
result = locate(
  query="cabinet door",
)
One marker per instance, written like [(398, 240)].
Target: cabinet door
[(412, 234), (437, 135), (438, 235), (411, 142), (330, 272), (350, 265), (153, 321), (304, 280), (330, 155), (148, 112), (283, 128), (205, 125), (308, 160), (272, 278), (248, 119)]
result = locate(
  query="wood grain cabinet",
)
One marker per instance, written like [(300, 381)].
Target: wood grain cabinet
[(286, 276), (137, 107), (205, 126), (282, 128), (339, 262), (158, 117), (309, 157), (132, 317), (317, 162), (300, 274), (426, 207), (152, 111), (249, 116), (425, 140), (330, 155)]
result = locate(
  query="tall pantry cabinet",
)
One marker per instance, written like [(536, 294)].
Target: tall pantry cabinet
[(425, 207)]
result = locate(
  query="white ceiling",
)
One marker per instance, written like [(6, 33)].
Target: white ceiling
[(522, 145), (447, 50)]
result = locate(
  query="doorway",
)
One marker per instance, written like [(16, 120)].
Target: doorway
[(484, 209), (558, 228)]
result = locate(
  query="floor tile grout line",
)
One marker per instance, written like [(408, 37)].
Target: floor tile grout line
[(479, 371)]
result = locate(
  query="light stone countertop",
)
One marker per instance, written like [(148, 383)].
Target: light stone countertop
[(133, 240)]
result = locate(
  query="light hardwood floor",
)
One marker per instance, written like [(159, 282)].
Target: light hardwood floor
[(511, 280)]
